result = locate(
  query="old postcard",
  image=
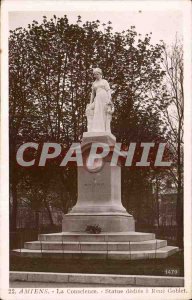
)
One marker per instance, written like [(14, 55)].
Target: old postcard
[(96, 150)]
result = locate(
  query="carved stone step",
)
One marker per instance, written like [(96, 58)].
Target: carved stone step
[(96, 246), (121, 255)]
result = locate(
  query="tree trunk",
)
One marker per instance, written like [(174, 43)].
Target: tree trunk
[(14, 206), (37, 219), (49, 213), (157, 200), (179, 217), (179, 205)]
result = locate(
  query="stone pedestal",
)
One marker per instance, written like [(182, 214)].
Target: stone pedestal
[(99, 193)]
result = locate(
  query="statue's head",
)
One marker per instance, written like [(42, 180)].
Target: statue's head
[(97, 72)]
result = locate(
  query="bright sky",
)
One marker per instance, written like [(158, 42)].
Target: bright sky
[(163, 24)]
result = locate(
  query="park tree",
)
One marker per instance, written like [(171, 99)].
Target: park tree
[(174, 116), (50, 75), (22, 110)]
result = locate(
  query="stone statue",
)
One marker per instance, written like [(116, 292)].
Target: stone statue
[(100, 109)]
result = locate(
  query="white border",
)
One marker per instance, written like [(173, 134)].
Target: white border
[(8, 6)]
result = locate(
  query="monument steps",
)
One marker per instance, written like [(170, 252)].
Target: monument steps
[(106, 245), (96, 246), (121, 255)]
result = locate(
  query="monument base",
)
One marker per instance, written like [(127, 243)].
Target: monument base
[(99, 193), (109, 222)]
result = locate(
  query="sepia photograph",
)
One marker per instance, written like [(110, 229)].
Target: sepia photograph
[(96, 201)]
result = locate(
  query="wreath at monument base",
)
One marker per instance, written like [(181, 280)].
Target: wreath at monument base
[(94, 229)]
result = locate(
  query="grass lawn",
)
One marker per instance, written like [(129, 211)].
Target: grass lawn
[(171, 266)]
